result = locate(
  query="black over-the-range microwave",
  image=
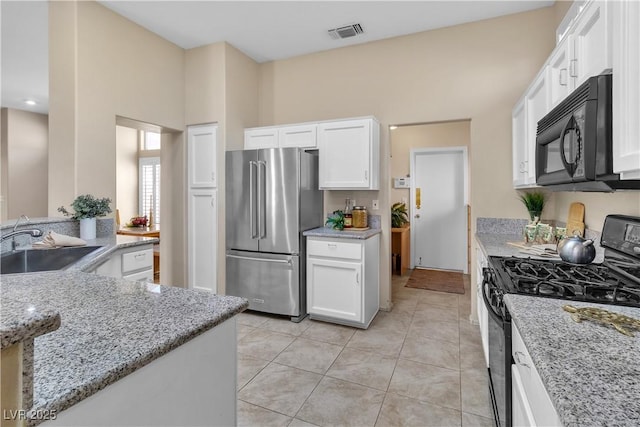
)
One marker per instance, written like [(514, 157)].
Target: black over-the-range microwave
[(574, 142)]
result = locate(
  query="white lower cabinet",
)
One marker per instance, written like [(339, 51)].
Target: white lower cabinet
[(135, 263), (483, 314), (203, 237), (531, 404), (342, 280)]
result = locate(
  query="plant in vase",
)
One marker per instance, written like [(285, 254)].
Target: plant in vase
[(86, 208), (534, 202), (399, 215)]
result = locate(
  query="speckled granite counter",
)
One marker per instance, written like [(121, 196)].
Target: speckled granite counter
[(591, 372), (110, 328), (341, 234)]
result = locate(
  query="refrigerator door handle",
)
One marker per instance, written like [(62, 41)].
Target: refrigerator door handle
[(262, 199), (276, 261), (252, 191)]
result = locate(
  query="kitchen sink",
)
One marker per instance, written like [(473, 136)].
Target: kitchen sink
[(31, 260)]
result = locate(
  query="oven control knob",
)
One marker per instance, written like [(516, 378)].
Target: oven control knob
[(636, 250)]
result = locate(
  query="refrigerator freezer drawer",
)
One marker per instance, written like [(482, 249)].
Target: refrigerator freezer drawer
[(269, 281)]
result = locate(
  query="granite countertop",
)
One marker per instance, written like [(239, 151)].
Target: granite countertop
[(496, 245), (110, 328), (341, 234), (91, 330), (591, 372)]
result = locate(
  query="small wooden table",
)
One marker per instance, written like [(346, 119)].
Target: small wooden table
[(140, 231), (401, 246)]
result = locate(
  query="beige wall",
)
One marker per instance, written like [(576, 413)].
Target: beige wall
[(102, 66), (475, 71), (126, 172), (25, 163), (430, 135), (598, 206)]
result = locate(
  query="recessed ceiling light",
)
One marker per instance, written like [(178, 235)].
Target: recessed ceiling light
[(30, 102), (393, 127)]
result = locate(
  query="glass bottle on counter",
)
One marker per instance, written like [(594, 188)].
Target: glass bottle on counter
[(348, 216)]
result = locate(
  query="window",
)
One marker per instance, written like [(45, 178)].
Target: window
[(149, 191), (149, 141)]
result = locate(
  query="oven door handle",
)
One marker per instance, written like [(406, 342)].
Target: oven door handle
[(495, 316)]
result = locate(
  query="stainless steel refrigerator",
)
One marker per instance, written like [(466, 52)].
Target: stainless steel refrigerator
[(272, 196)]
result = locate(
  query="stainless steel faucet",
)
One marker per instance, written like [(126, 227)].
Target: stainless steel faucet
[(34, 232)]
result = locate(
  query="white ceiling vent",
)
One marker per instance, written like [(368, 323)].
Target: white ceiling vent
[(346, 31)]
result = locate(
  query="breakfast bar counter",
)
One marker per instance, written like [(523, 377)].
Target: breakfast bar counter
[(108, 328)]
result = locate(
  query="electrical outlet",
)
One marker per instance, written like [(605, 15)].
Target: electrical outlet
[(374, 205)]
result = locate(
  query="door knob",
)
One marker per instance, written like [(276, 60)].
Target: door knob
[(417, 216)]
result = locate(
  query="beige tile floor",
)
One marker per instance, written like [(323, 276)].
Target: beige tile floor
[(419, 365)]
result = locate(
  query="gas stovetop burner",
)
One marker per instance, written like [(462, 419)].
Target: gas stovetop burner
[(615, 281)]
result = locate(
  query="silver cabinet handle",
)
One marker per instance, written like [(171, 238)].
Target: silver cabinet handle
[(332, 245), (517, 356), (136, 256), (563, 72), (573, 68), (213, 176), (366, 175), (357, 278)]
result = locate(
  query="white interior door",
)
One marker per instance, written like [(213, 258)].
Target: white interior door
[(439, 208)]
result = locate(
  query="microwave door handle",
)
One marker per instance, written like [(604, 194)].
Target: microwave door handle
[(570, 167)]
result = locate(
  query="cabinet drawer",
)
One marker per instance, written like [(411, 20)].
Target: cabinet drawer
[(138, 260), (144, 276), (334, 249)]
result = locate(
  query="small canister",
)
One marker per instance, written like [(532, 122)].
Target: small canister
[(359, 214)]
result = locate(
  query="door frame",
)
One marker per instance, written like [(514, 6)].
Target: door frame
[(412, 169)]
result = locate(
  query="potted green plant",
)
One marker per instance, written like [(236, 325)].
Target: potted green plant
[(399, 215), (86, 208), (534, 202), (335, 220)]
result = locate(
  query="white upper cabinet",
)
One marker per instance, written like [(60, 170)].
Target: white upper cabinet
[(531, 108), (518, 127), (256, 138), (349, 153), (300, 135), (303, 135), (560, 84), (626, 90), (537, 100), (592, 42), (201, 142)]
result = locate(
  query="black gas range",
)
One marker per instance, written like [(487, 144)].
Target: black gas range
[(615, 281)]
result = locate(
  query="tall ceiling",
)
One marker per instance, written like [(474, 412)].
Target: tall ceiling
[(263, 30)]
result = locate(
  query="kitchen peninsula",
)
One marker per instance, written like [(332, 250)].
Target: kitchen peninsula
[(125, 353)]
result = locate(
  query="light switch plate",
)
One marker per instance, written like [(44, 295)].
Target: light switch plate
[(374, 205)]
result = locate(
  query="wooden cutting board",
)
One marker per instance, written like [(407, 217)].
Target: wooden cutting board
[(575, 221), (576, 212)]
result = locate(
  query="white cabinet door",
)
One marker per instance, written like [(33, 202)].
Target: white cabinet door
[(626, 90), (202, 156), (537, 106), (560, 85), (592, 45), (519, 142), (521, 414), (334, 289), (257, 138), (298, 136), (349, 154), (203, 237)]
